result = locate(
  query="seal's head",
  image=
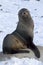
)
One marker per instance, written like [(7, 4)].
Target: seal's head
[(24, 14)]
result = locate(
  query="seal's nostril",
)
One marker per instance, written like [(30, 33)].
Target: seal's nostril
[(24, 12)]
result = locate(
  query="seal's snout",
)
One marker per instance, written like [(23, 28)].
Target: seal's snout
[(25, 14)]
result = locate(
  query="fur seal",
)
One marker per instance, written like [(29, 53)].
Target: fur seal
[(22, 37)]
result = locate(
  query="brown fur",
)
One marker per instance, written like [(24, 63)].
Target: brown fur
[(22, 37)]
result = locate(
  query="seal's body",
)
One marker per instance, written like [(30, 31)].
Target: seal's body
[(22, 37)]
